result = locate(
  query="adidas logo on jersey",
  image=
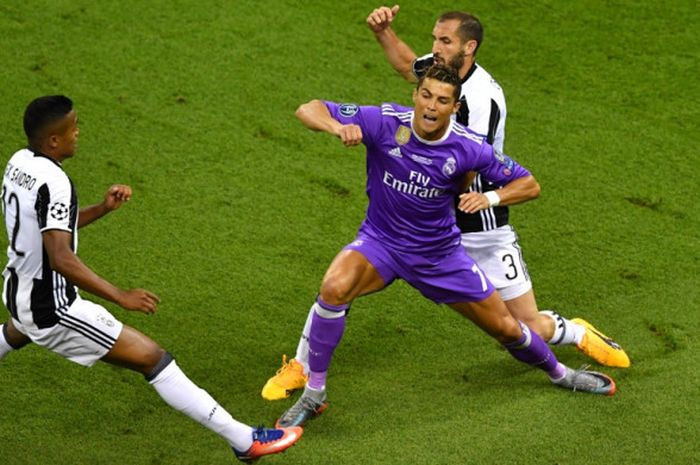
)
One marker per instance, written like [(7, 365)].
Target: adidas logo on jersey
[(395, 152)]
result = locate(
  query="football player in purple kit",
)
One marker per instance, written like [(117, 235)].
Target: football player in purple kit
[(487, 235), (417, 161)]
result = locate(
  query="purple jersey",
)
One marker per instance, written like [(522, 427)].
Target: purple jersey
[(412, 182)]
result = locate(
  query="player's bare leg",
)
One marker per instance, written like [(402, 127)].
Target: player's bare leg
[(138, 352), (524, 308), (349, 276), (337, 286), (557, 330), (492, 316), (135, 351)]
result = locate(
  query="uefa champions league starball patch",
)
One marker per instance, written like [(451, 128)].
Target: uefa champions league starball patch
[(504, 160), (348, 109), (59, 211)]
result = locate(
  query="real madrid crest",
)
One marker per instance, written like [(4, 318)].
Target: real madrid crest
[(450, 166), (403, 135)]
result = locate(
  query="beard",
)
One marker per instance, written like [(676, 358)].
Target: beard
[(456, 62)]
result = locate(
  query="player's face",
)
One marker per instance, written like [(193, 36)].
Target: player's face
[(448, 48), (434, 105), (66, 135)]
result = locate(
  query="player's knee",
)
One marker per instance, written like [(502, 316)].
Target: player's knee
[(506, 330), (541, 324), (14, 338), (335, 291), (153, 355), (159, 366), (534, 322)]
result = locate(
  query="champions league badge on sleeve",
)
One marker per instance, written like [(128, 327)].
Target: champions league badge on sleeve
[(348, 110), (59, 211), (403, 135), (504, 160), (450, 166)]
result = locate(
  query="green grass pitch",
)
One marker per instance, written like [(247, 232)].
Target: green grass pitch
[(238, 210)]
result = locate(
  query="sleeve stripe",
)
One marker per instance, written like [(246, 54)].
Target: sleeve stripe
[(42, 205), (494, 117)]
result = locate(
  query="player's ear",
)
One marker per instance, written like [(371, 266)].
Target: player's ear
[(415, 95), (470, 47), (53, 140), (458, 104)]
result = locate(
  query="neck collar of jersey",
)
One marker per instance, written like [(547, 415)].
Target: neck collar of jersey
[(470, 72), (436, 141), (43, 155)]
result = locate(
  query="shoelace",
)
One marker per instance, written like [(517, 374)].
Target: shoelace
[(263, 435), (606, 339), (304, 404), (286, 365), (581, 373)]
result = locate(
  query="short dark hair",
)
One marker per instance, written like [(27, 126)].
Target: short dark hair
[(446, 74), (44, 111), (469, 26)]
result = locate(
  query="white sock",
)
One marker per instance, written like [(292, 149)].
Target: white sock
[(566, 332), (302, 355), (5, 347), (180, 393)]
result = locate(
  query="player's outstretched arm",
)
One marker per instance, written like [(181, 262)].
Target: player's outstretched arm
[(116, 195), (315, 116), (398, 54), (517, 191), (64, 261)]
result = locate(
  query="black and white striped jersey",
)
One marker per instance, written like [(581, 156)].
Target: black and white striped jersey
[(37, 196), (483, 110)]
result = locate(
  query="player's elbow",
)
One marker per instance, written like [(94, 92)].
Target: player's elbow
[(300, 111), (58, 263), (535, 189), (406, 71), (409, 76), (305, 109), (62, 262)]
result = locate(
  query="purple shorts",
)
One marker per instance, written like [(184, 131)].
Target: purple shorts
[(446, 279)]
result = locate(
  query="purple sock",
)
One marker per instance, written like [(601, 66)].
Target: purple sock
[(317, 380), (531, 349), (324, 336)]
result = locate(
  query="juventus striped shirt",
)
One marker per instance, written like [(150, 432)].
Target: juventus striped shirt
[(483, 110), (37, 196)]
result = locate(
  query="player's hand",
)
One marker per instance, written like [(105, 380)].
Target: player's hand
[(350, 134), (116, 196), (139, 300), (472, 202), (381, 18)]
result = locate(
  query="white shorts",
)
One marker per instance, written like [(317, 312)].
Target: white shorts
[(498, 254), (84, 333)]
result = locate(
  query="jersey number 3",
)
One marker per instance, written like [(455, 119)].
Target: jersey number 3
[(510, 258)]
